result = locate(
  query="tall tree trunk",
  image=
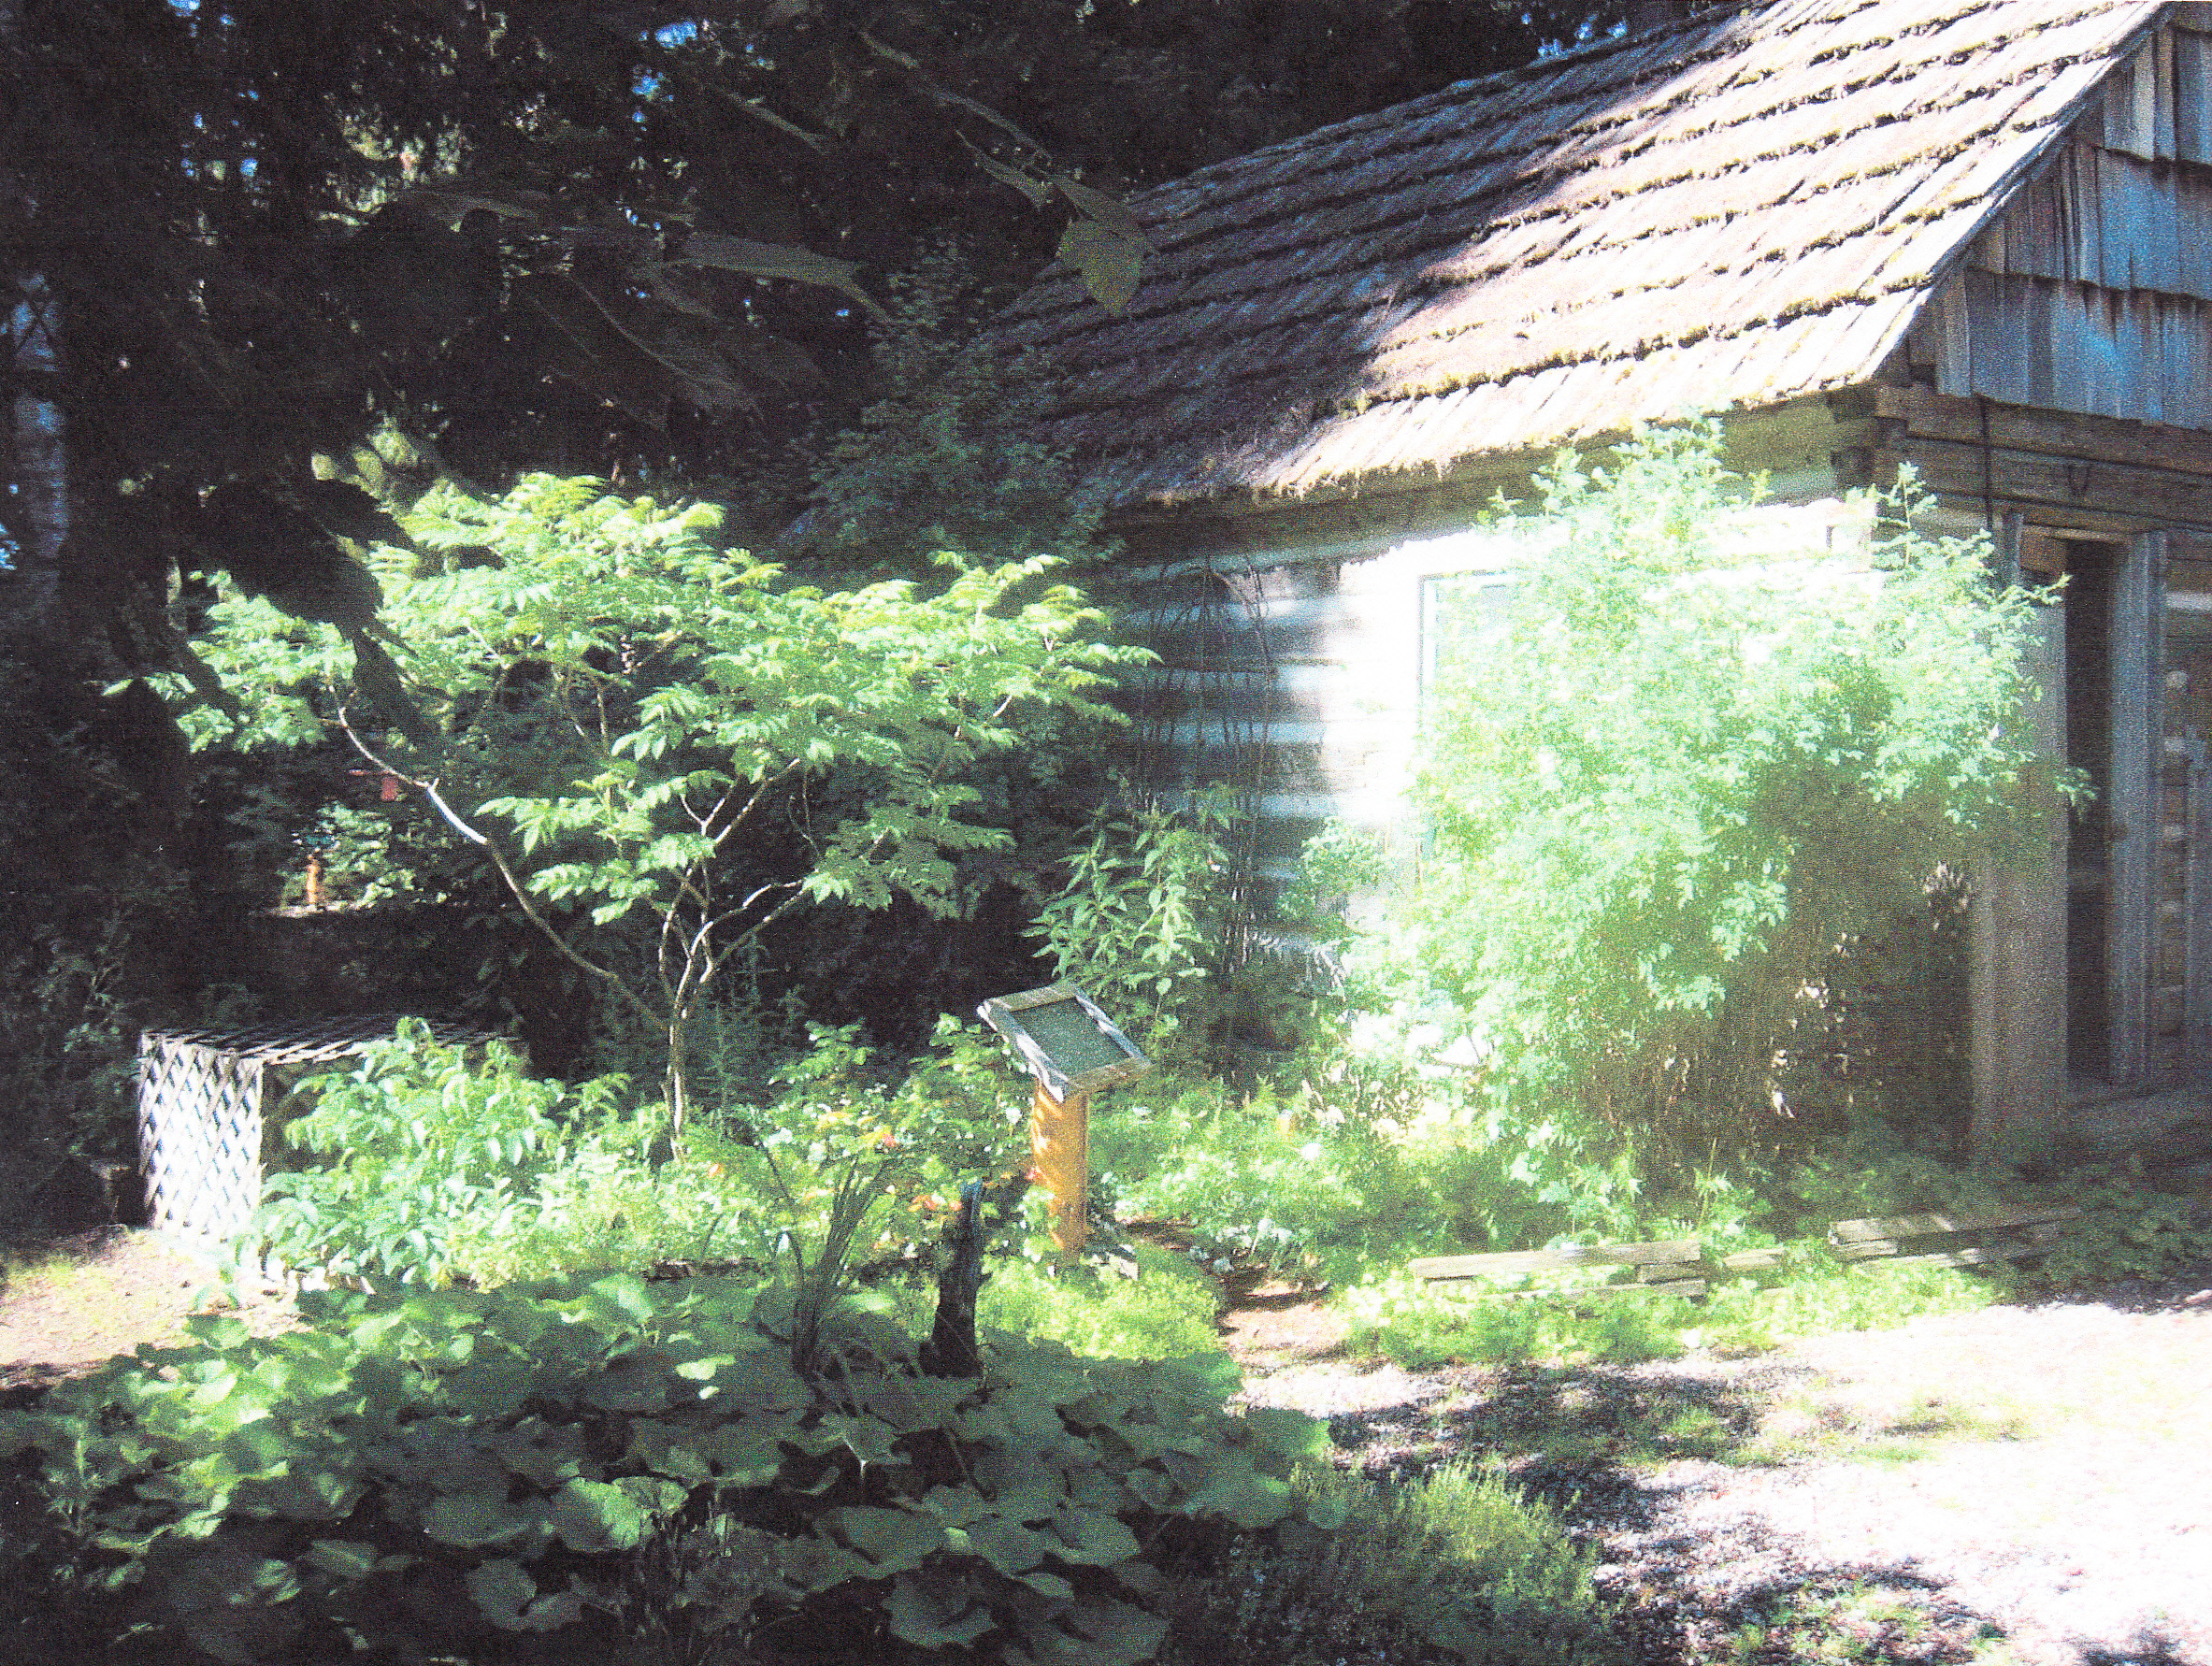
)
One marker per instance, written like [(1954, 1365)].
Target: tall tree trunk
[(36, 461), (34, 465)]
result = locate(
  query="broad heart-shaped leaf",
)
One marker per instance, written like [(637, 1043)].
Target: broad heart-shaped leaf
[(342, 1559), (1118, 1634), (1007, 1545), (745, 1453), (1292, 1433), (1109, 263), (813, 1564), (217, 1330), (669, 1451), (307, 1491), (929, 1617), (592, 1515), (508, 1596), (236, 1607), (1249, 1499), (1151, 1486), (617, 1299), (1097, 1539), (631, 1386), (893, 1540), (478, 1518)]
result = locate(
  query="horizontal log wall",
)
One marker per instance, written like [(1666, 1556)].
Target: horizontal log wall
[(1292, 676), (1295, 676)]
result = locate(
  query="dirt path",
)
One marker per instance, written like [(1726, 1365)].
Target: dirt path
[(93, 1295)]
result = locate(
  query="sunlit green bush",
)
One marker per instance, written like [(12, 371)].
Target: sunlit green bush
[(421, 1164), (1682, 767), (1167, 1312)]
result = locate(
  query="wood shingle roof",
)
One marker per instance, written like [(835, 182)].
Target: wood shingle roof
[(1730, 212)]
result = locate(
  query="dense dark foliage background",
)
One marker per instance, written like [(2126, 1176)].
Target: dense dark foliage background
[(272, 264)]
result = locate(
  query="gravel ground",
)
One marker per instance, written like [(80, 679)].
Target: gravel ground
[(2022, 1484)]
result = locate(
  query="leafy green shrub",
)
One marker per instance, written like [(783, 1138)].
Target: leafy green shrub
[(1685, 765), (1257, 1178), (1421, 1325), (1456, 1565), (424, 1166), (420, 1145), (1294, 1181), (1819, 1299), (424, 1470), (662, 747), (1140, 922), (2128, 1230), (957, 1113), (604, 1204), (2130, 1227)]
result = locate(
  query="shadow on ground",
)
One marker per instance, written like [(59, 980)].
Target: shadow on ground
[(1606, 1449)]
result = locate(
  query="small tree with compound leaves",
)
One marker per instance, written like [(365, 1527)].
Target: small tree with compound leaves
[(628, 720), (1681, 768)]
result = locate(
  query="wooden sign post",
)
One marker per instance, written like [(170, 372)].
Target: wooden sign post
[(1060, 1154), (1073, 1050)]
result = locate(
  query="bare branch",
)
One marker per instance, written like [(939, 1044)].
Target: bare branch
[(514, 885)]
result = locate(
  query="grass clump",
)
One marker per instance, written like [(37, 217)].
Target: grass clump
[(1167, 1311), (1828, 1428), (1455, 1566), (1859, 1622), (1421, 1325)]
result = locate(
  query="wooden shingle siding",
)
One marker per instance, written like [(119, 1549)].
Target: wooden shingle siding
[(2101, 217), (2092, 292), (1742, 210), (2140, 357)]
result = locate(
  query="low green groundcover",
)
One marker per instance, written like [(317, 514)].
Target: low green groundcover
[(449, 1472)]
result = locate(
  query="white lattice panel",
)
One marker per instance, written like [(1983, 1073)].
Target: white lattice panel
[(199, 1137), (202, 1094)]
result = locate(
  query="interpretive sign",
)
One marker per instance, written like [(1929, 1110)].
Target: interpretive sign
[(1068, 1044), (1073, 1050)]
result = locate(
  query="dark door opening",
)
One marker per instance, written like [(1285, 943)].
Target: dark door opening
[(2093, 575)]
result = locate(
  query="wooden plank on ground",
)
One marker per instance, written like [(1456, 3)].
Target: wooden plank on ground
[(1513, 1263), (1890, 1249), (1969, 1256), (1685, 1287), (1752, 1260), (1878, 1226)]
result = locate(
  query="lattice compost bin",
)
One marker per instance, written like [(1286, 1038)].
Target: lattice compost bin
[(204, 1095)]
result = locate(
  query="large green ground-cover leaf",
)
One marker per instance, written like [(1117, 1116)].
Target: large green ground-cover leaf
[(537, 1447)]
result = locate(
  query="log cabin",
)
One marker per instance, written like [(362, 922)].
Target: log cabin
[(1970, 236)]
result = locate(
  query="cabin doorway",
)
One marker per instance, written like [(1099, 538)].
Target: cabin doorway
[(2110, 651)]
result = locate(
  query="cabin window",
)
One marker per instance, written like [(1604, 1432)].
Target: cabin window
[(1459, 611)]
